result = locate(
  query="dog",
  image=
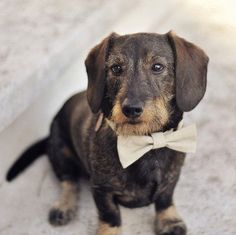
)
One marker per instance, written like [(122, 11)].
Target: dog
[(138, 84)]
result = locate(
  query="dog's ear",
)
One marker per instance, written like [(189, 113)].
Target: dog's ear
[(96, 69), (190, 72)]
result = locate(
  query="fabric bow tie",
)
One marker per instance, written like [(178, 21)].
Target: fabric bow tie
[(131, 148)]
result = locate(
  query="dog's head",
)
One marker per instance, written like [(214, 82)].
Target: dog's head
[(141, 81)]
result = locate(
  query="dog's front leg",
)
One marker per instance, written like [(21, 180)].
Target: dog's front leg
[(168, 221), (108, 210)]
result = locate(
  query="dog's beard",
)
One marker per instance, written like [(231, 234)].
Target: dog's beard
[(153, 119), (140, 128)]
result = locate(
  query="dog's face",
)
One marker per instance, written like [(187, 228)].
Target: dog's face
[(141, 80), (140, 83)]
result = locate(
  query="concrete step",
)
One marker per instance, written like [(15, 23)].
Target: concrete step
[(40, 39)]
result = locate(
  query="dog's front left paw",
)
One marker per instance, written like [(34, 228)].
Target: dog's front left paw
[(106, 229), (59, 217), (168, 222)]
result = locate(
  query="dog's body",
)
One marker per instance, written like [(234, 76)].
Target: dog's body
[(138, 185), (81, 144)]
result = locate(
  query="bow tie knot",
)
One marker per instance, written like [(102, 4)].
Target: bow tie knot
[(159, 140)]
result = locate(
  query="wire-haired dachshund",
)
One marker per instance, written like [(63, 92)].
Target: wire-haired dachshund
[(142, 83)]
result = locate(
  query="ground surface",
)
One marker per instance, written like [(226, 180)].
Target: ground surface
[(206, 193)]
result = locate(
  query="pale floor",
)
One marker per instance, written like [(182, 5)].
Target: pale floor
[(206, 193)]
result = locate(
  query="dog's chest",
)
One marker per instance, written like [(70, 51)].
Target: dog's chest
[(139, 184), (137, 196)]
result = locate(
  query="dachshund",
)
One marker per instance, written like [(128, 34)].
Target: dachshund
[(138, 84)]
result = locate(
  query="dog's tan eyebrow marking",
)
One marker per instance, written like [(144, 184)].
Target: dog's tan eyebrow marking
[(156, 58), (115, 58)]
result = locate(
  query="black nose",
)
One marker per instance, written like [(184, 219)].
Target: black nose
[(132, 109)]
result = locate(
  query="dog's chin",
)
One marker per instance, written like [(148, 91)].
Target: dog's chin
[(136, 127), (133, 122)]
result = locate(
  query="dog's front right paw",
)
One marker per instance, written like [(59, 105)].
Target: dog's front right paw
[(170, 227), (168, 222), (59, 217)]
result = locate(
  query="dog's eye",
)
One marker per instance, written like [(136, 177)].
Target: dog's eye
[(157, 67), (116, 69)]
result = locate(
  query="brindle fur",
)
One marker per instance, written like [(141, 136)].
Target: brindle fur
[(77, 150)]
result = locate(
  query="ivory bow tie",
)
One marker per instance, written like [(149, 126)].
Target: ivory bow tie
[(131, 148)]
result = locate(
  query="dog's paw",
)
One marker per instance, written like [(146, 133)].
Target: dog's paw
[(168, 222), (59, 217), (170, 227), (106, 229)]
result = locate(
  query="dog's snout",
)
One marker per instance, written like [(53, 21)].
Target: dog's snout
[(132, 109)]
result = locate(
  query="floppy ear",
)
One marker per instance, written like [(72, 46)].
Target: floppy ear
[(190, 72), (96, 70)]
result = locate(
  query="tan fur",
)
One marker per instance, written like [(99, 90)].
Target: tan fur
[(154, 117), (169, 214), (117, 115), (68, 197), (106, 229), (167, 220)]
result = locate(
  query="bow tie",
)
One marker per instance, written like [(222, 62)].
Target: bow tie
[(131, 148)]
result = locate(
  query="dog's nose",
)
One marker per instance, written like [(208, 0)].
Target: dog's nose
[(132, 109)]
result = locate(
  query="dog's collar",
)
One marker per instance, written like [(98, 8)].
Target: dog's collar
[(131, 148), (99, 122)]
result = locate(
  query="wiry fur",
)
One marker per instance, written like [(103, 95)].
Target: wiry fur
[(76, 150)]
